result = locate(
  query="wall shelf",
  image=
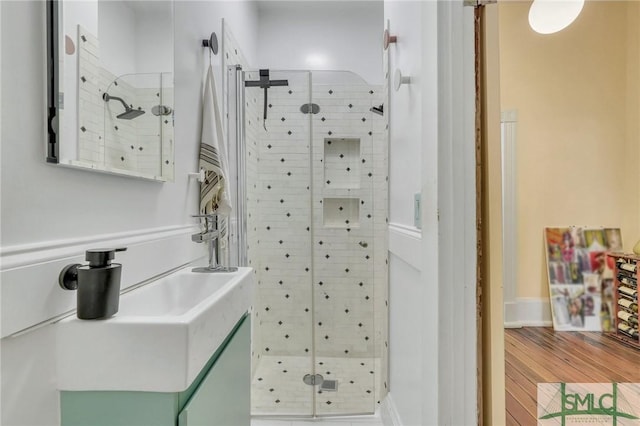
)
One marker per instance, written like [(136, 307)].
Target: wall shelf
[(341, 212), (342, 163)]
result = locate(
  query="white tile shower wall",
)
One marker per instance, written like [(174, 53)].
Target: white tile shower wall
[(251, 163), (117, 143), (358, 278), (351, 307), (284, 227), (348, 265), (167, 129), (91, 106)]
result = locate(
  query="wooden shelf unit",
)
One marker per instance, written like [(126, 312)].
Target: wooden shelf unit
[(632, 283)]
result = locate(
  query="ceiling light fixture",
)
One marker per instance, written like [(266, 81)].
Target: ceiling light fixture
[(317, 61), (551, 16)]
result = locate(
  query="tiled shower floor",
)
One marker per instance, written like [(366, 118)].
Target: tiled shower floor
[(277, 387)]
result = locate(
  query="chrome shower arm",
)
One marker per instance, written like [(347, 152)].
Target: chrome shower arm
[(107, 97)]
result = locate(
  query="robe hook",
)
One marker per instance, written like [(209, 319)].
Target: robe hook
[(211, 43)]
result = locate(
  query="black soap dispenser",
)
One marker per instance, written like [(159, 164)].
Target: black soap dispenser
[(98, 284)]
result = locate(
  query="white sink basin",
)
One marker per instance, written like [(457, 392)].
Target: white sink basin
[(161, 337)]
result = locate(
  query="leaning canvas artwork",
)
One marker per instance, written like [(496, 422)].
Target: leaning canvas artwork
[(580, 277)]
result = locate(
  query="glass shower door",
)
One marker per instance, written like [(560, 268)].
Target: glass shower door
[(316, 201), (279, 241), (343, 246)]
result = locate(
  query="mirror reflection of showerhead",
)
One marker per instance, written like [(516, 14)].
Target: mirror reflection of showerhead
[(129, 112)]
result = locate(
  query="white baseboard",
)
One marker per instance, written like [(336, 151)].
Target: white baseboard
[(30, 294), (527, 312), (389, 412)]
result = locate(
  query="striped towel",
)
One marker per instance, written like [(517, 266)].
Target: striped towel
[(214, 191)]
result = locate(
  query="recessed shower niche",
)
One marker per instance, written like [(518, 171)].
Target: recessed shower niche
[(341, 212), (342, 163)]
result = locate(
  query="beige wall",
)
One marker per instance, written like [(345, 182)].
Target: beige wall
[(576, 93), (633, 103)]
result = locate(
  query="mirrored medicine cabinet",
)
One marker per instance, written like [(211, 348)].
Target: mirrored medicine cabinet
[(110, 87)]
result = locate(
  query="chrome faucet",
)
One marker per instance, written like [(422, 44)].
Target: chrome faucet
[(211, 235)]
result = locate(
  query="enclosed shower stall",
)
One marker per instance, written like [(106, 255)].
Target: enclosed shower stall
[(312, 211)]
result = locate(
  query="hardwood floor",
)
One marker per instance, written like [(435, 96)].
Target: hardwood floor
[(539, 355)]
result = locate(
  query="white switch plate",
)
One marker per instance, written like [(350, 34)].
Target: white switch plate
[(417, 210)]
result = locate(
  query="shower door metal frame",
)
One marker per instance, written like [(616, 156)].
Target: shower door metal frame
[(241, 180)]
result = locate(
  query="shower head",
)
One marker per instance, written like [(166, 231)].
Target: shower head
[(129, 112)]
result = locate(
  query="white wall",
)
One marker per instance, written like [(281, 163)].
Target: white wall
[(405, 283), (405, 111), (154, 37), (456, 244), (136, 37), (117, 37), (195, 21), (405, 347), (322, 35), (432, 269), (41, 203)]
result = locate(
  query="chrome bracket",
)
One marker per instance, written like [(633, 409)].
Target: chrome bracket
[(312, 380)]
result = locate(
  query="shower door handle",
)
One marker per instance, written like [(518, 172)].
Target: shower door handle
[(363, 244)]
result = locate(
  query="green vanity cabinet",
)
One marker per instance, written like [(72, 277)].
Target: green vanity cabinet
[(220, 395), (224, 395)]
